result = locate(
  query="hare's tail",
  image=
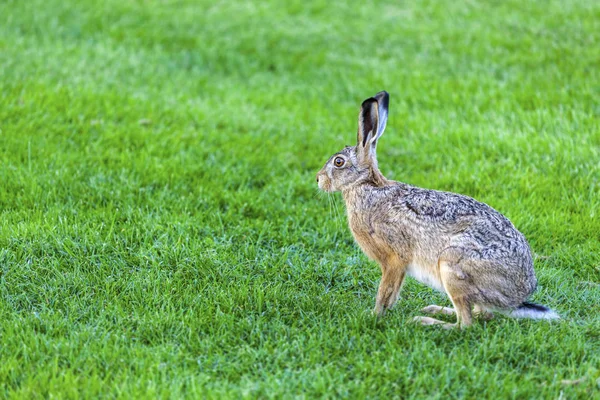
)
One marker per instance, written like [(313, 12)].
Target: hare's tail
[(533, 311)]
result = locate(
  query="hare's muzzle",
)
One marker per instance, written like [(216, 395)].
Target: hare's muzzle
[(323, 181)]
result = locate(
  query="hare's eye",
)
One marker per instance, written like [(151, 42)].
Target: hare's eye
[(338, 161)]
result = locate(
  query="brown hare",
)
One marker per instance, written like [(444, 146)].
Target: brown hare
[(447, 241)]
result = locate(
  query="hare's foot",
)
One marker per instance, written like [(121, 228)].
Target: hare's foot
[(427, 321), (433, 309), (482, 313)]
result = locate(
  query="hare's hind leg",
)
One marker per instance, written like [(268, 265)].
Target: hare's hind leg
[(458, 284)]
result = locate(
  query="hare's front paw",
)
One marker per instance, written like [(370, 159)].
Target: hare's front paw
[(378, 311)]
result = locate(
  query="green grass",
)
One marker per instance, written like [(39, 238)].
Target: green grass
[(160, 232)]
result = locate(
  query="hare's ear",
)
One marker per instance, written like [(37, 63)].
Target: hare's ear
[(371, 123), (383, 101)]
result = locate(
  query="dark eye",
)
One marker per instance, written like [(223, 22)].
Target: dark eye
[(338, 161)]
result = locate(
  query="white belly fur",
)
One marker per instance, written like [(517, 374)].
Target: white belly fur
[(425, 274)]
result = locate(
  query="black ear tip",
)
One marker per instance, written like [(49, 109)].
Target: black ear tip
[(368, 101)]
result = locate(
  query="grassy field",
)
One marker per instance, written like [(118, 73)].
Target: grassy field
[(161, 233)]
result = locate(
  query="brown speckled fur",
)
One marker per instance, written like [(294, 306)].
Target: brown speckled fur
[(448, 241)]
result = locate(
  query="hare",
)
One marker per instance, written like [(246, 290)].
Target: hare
[(447, 241)]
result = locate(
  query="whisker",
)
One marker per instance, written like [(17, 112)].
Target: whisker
[(334, 208), (338, 216)]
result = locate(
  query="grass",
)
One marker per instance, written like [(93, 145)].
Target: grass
[(160, 232)]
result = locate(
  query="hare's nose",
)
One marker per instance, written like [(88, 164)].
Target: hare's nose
[(317, 178)]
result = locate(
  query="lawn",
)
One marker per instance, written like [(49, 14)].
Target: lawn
[(161, 233)]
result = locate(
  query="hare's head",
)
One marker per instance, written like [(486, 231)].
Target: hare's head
[(355, 165)]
